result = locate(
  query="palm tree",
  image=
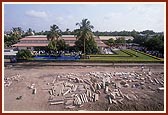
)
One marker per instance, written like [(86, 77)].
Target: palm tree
[(53, 36), (68, 32), (17, 31), (84, 32), (29, 31), (54, 33)]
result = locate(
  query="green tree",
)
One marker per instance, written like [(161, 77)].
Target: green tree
[(120, 40), (10, 40), (29, 32), (24, 54), (148, 32), (17, 31), (155, 43), (54, 33), (85, 37), (61, 45), (67, 32), (111, 42), (52, 45), (134, 33), (139, 40), (53, 36)]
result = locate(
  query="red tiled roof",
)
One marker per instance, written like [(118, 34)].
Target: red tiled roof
[(69, 38), (30, 45), (34, 38), (45, 38)]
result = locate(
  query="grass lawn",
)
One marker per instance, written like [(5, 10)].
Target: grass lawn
[(125, 56), (118, 53)]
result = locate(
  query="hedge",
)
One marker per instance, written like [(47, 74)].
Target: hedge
[(129, 53)]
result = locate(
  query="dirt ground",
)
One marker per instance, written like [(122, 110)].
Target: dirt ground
[(140, 94)]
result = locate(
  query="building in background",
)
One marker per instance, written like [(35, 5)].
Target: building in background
[(29, 42), (106, 38)]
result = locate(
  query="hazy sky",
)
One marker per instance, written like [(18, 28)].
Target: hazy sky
[(104, 17)]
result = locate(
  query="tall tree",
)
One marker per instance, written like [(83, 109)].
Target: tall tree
[(54, 33), (29, 31), (84, 34), (17, 31), (13, 37), (61, 45), (53, 36), (155, 43), (68, 32)]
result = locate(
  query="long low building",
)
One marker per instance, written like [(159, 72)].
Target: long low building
[(105, 38), (29, 42)]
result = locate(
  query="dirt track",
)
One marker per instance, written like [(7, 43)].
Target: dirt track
[(145, 97)]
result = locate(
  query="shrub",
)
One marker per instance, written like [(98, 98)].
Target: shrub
[(24, 54)]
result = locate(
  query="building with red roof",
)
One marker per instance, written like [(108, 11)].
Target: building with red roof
[(29, 42)]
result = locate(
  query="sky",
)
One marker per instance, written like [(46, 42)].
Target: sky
[(104, 17)]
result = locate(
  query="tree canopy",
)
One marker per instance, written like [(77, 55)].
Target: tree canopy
[(54, 33), (155, 43), (61, 45), (85, 38), (53, 36), (111, 41), (120, 40)]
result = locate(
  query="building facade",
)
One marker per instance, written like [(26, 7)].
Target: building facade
[(29, 42)]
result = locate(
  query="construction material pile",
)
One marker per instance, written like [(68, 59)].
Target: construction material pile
[(74, 90), (9, 80)]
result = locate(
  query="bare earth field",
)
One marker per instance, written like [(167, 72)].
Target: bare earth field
[(84, 88)]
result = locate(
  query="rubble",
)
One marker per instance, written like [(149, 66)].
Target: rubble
[(57, 103), (96, 97), (74, 88), (156, 80), (160, 89), (106, 89), (110, 100), (32, 86), (67, 91), (126, 85), (69, 102), (114, 101), (77, 100), (18, 98), (69, 107), (142, 83), (34, 91), (9, 80), (112, 96), (117, 85), (127, 97), (77, 89)]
